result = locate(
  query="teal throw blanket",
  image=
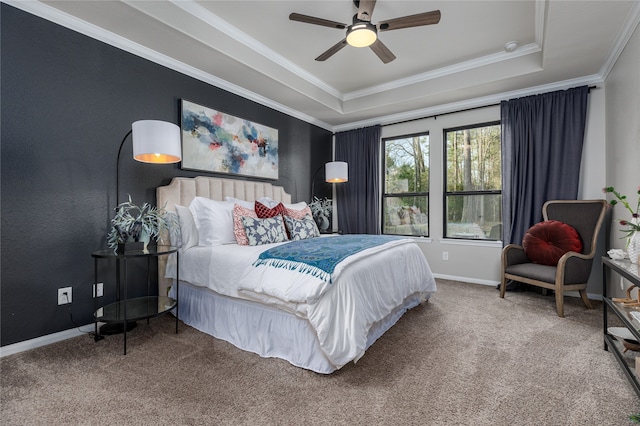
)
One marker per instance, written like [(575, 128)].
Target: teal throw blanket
[(319, 256)]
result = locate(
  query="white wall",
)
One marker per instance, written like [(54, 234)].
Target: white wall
[(479, 261), (471, 261), (623, 129), (623, 134)]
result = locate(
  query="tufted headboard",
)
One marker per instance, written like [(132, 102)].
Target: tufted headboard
[(183, 190)]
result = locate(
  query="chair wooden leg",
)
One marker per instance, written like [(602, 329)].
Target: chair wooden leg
[(560, 301), (585, 299), (503, 286)]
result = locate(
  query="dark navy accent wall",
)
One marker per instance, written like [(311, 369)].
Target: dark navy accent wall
[(67, 102)]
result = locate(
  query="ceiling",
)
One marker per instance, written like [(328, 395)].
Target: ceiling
[(252, 48)]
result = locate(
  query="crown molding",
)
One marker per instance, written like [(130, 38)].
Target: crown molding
[(479, 102), (213, 20), (61, 18), (626, 31), (445, 71)]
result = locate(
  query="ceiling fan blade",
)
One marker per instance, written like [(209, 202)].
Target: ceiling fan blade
[(427, 18), (365, 9), (332, 50), (316, 21), (383, 52)]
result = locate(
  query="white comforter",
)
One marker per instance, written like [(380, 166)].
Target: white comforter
[(366, 288)]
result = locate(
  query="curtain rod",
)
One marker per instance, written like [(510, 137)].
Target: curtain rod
[(452, 112)]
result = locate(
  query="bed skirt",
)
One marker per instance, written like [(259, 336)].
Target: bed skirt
[(265, 330)]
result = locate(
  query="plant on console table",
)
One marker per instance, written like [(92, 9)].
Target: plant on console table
[(631, 228), (137, 224)]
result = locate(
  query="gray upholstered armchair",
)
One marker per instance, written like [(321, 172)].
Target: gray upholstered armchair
[(572, 270)]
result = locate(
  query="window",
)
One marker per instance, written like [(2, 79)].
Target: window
[(473, 182), (405, 199)]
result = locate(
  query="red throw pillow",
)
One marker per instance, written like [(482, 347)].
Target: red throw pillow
[(546, 242), (264, 212)]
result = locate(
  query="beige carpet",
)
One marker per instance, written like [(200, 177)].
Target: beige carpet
[(465, 358)]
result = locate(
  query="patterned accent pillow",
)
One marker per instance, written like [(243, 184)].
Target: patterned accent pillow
[(266, 212), (298, 214), (301, 229), (264, 231), (296, 206), (238, 227)]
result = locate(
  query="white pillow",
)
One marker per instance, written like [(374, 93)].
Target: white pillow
[(188, 229), (268, 202), (297, 206), (243, 203), (214, 221)]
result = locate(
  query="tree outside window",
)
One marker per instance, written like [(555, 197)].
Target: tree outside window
[(405, 199), (473, 184)]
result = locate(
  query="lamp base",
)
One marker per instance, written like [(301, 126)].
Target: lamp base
[(112, 328)]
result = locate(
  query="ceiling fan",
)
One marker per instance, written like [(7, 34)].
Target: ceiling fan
[(362, 33)]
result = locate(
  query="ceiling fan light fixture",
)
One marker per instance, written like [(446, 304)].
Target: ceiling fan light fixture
[(361, 34)]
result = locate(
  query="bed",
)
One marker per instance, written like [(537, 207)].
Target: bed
[(315, 320)]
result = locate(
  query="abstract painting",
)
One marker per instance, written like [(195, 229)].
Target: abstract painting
[(214, 141)]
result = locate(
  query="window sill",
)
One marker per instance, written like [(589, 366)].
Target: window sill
[(420, 240), (477, 243)]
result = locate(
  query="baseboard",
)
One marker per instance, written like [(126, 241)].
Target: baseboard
[(45, 340), (467, 280), (496, 283)]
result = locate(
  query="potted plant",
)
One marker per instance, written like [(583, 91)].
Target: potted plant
[(631, 227), (321, 210), (137, 225)]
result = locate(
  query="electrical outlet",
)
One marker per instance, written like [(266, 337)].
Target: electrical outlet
[(445, 255), (98, 290), (64, 295)]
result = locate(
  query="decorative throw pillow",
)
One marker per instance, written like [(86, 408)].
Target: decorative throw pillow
[(188, 229), (214, 220), (297, 206), (301, 229), (546, 242), (298, 214), (264, 231), (238, 227), (264, 212)]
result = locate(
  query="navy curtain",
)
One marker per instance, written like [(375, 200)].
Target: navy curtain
[(359, 198), (542, 138)]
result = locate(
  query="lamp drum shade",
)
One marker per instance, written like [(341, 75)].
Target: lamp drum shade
[(156, 141), (336, 172)]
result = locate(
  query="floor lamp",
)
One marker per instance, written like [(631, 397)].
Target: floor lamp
[(155, 142), (334, 172)]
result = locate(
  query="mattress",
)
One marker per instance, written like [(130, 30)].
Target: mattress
[(371, 288)]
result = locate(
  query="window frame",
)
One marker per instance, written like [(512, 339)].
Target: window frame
[(445, 169), (385, 194)]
